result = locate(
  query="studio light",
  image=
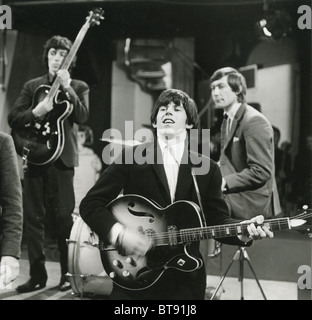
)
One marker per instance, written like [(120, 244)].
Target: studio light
[(263, 23), (275, 24)]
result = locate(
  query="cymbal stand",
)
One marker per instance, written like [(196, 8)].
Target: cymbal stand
[(240, 255)]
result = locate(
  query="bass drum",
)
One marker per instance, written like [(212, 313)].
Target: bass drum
[(86, 273)]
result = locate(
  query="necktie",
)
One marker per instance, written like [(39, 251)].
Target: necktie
[(172, 169), (228, 126), (224, 129)]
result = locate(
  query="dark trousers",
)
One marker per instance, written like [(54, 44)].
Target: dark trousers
[(47, 189), (172, 285)]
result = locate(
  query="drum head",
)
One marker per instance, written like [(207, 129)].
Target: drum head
[(86, 272)]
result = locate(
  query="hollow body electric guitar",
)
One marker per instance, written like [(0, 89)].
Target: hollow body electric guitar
[(43, 142), (171, 231)]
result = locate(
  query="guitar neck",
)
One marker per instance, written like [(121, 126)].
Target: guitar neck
[(68, 60), (93, 18), (221, 231), (73, 51)]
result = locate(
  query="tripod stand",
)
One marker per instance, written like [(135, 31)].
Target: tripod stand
[(240, 255)]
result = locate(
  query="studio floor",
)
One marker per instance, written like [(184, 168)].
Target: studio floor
[(230, 289), (275, 262)]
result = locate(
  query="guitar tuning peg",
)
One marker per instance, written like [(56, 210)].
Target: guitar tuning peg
[(305, 207)]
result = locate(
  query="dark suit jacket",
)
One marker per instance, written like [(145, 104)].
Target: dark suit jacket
[(11, 211), (247, 164), (149, 180), (21, 115)]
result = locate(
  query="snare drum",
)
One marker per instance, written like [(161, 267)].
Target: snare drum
[(86, 273)]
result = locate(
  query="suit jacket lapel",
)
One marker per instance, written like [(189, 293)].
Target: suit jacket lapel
[(184, 177), (236, 120)]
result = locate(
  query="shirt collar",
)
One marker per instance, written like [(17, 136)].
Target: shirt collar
[(177, 145), (232, 112)]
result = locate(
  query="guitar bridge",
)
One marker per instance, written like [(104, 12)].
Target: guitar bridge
[(173, 235)]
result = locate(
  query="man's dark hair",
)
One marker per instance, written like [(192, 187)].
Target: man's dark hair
[(178, 97), (235, 80), (57, 42)]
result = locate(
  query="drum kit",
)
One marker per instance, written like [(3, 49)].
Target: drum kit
[(85, 270)]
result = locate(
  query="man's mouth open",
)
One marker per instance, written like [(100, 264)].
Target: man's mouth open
[(168, 121)]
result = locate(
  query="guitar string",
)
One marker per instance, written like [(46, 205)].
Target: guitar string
[(74, 49), (303, 215), (221, 230), (213, 232)]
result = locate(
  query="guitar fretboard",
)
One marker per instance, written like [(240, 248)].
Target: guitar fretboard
[(174, 237), (68, 60), (70, 57)]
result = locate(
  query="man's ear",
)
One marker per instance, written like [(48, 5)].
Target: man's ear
[(239, 90), (154, 125)]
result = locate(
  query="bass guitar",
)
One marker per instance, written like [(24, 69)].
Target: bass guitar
[(173, 232), (43, 142)]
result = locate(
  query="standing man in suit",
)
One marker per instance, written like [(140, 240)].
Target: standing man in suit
[(50, 186), (11, 212), (247, 150), (163, 177)]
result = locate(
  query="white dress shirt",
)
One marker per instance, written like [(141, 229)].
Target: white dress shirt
[(231, 114), (172, 152)]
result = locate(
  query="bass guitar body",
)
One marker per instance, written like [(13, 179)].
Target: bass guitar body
[(42, 142)]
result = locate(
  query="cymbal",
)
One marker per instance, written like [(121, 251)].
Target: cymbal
[(122, 142)]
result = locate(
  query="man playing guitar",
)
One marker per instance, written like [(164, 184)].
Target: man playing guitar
[(166, 179), (48, 186)]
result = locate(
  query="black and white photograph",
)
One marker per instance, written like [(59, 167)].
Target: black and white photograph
[(158, 151)]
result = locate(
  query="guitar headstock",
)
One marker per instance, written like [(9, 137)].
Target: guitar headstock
[(302, 221), (95, 16)]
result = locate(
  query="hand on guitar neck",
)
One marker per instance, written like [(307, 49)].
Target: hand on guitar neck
[(256, 229), (64, 78)]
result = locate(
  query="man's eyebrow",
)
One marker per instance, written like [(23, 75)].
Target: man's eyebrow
[(174, 104)]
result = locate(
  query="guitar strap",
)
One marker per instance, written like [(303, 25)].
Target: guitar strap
[(199, 198)]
